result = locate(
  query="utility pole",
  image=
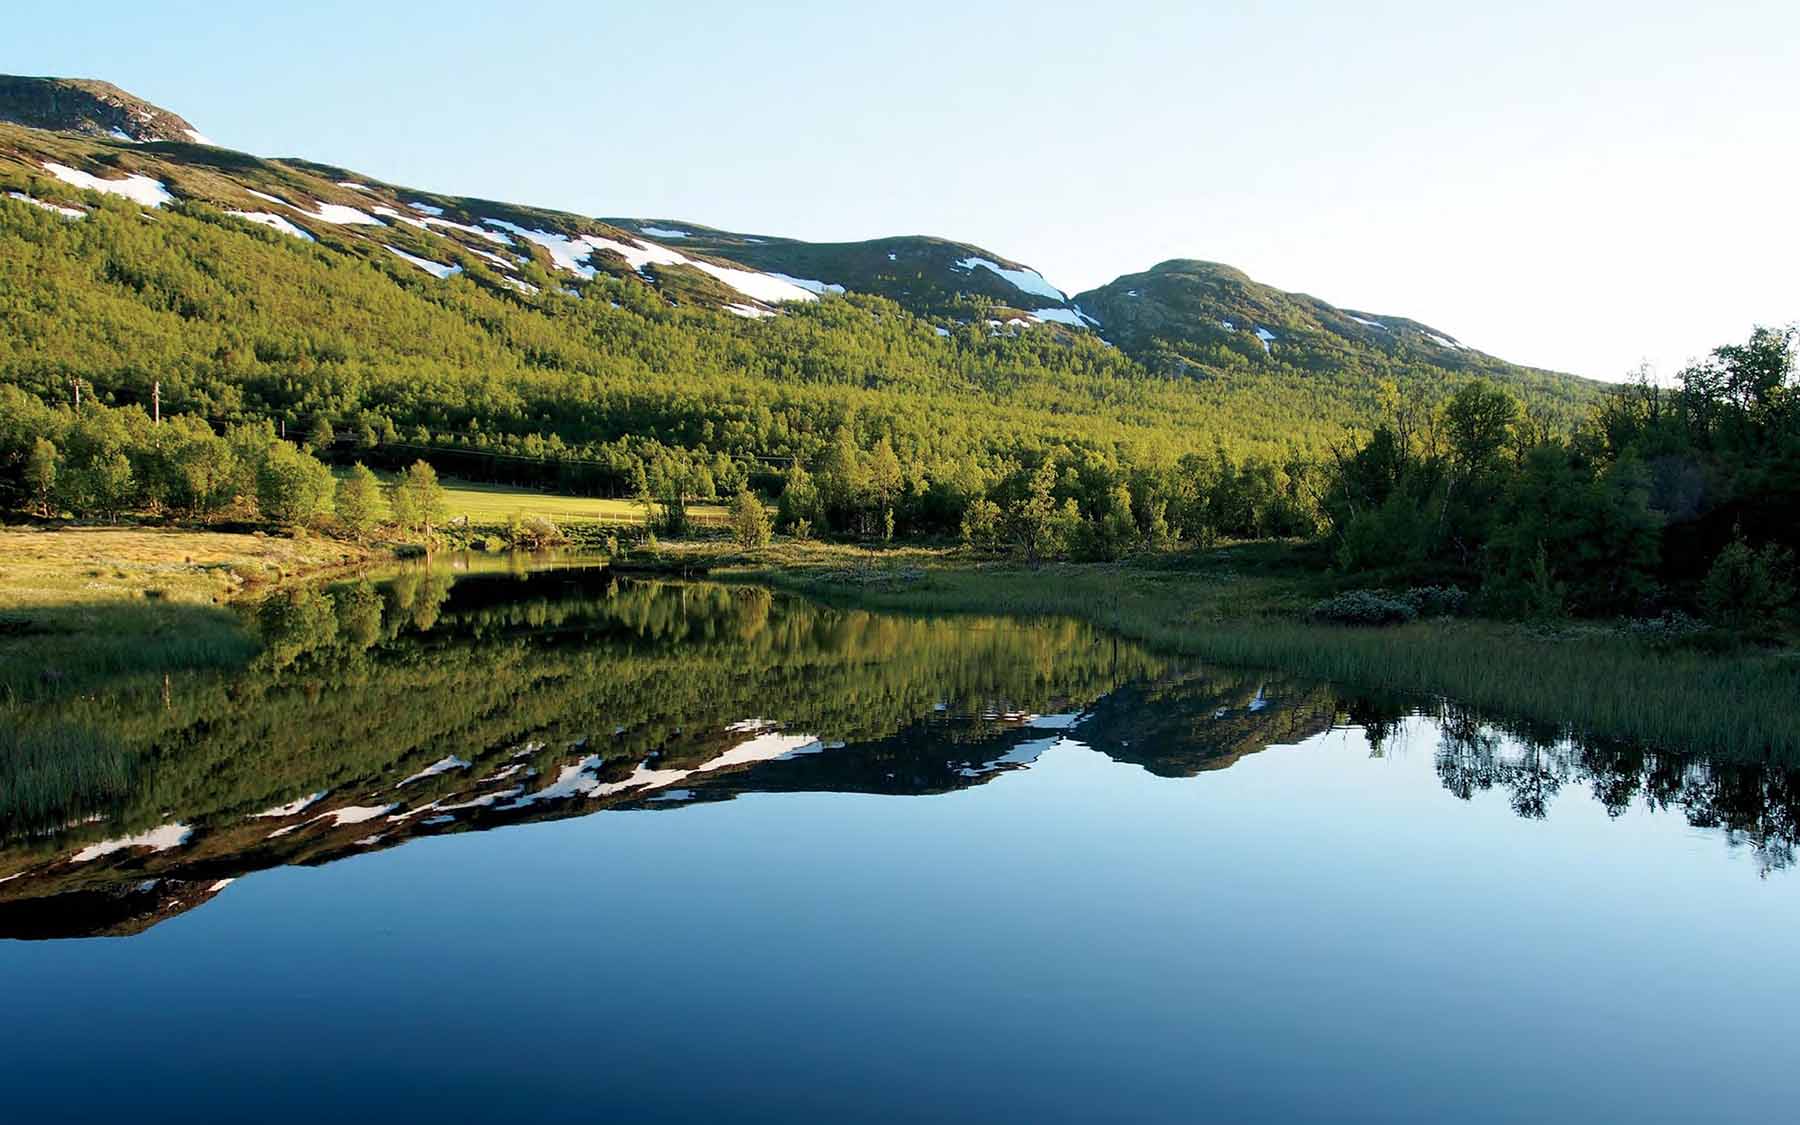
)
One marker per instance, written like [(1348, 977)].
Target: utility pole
[(77, 381), (156, 402)]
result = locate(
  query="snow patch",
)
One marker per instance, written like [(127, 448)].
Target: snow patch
[(425, 208), (1070, 317), (356, 814), (749, 312), (427, 223), (1265, 336), (572, 254), (442, 765), (339, 215), (573, 781), (293, 807), (157, 840), (503, 263), (138, 189), (485, 800), (807, 284), (435, 269), (354, 186), (1024, 280), (1443, 341), (1370, 323), (65, 212), (763, 748), (201, 139), (273, 221), (267, 196), (662, 232)]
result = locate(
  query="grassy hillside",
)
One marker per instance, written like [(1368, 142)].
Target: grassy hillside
[(929, 276), (515, 343), (1210, 320)]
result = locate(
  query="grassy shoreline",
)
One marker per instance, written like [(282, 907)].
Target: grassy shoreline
[(1241, 606), (80, 604)]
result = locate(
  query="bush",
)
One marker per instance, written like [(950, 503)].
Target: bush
[(749, 520), (1437, 601), (981, 525), (1364, 607), (538, 533), (1746, 588)]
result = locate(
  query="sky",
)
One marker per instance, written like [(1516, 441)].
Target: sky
[(1580, 186)]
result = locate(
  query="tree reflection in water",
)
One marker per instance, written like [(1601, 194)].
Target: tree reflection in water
[(438, 702)]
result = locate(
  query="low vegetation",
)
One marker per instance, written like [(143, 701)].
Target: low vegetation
[(79, 605)]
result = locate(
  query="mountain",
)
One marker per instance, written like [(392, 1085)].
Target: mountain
[(90, 108), (245, 289), (1204, 314), (930, 276), (1200, 312)]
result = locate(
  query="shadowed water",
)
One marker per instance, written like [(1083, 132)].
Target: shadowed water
[(558, 844)]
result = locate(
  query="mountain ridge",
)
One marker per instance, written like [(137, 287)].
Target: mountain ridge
[(1180, 328), (90, 107)]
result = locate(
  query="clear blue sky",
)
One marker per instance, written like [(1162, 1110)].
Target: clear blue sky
[(1576, 185)]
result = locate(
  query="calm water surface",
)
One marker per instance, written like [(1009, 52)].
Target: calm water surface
[(588, 847)]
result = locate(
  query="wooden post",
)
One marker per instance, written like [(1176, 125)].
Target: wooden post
[(78, 394), (156, 402)]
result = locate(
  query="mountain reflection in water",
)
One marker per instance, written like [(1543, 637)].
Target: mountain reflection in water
[(438, 703)]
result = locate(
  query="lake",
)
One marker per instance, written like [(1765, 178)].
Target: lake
[(566, 844)]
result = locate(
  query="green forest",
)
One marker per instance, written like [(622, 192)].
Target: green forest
[(222, 367)]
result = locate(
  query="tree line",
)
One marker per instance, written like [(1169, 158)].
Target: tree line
[(1664, 498)]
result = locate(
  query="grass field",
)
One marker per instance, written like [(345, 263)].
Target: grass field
[(483, 503), (78, 604)]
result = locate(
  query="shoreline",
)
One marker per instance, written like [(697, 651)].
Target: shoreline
[(1240, 605)]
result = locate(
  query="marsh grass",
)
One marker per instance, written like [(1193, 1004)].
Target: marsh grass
[(1244, 605), (46, 772), (79, 606)]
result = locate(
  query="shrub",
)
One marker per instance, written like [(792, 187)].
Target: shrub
[(538, 533), (749, 520), (1437, 601), (1745, 588), (1364, 607), (981, 525)]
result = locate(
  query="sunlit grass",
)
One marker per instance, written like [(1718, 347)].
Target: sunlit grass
[(483, 503), (85, 604)]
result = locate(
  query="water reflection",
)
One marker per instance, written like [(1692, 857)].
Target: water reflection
[(437, 703)]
